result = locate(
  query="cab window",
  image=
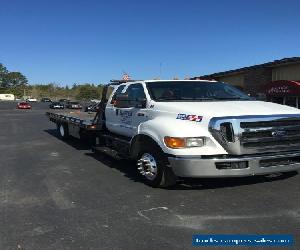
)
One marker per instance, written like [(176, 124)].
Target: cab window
[(117, 92), (135, 93)]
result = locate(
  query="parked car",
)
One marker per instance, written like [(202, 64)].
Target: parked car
[(56, 105), (31, 100), (46, 99), (95, 100), (92, 107), (73, 105), (63, 100), (23, 105)]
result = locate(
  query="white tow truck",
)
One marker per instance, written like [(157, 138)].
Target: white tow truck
[(189, 128)]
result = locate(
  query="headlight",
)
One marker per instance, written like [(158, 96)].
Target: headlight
[(184, 142), (194, 142)]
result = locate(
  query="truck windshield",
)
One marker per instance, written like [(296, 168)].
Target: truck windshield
[(194, 91)]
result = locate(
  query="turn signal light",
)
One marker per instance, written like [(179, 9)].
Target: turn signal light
[(174, 142)]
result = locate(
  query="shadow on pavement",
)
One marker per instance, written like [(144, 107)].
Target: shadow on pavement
[(73, 142), (128, 169), (214, 183)]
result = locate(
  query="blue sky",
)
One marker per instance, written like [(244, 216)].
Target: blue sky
[(95, 41)]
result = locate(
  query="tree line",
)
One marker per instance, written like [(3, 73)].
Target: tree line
[(16, 83), (85, 92), (11, 79)]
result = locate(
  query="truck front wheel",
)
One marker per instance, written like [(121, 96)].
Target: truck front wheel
[(152, 165)]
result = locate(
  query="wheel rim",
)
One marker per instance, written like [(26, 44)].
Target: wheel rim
[(147, 166), (61, 130)]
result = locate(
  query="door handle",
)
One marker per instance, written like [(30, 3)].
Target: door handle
[(140, 114)]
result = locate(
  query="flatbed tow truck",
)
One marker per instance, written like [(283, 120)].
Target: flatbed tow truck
[(188, 128)]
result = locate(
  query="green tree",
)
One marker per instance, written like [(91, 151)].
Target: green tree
[(87, 92), (3, 73), (14, 79)]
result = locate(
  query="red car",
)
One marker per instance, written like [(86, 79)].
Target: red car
[(23, 105)]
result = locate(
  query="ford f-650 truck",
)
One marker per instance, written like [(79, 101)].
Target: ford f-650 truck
[(190, 128)]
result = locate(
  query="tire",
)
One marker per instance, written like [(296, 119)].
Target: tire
[(63, 131), (159, 174)]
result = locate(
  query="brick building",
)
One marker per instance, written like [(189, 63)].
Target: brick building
[(253, 79)]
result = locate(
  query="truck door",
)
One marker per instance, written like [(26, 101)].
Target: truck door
[(132, 115), (112, 120)]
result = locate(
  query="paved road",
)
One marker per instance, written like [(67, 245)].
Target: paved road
[(58, 195)]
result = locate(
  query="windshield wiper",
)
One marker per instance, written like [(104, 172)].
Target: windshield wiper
[(201, 98), (185, 99), (212, 98), (230, 98), (196, 98), (237, 98), (167, 99)]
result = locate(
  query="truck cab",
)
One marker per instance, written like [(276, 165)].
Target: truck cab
[(124, 116)]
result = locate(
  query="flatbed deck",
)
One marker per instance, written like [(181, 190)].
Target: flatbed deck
[(79, 118)]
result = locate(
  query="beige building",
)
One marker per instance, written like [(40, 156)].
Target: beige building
[(253, 79)]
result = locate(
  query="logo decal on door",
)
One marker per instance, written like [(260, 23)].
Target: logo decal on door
[(126, 117), (193, 118)]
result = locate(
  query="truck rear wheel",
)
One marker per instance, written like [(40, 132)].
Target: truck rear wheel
[(152, 165), (63, 131)]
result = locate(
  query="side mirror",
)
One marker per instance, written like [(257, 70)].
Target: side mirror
[(141, 103), (122, 101)]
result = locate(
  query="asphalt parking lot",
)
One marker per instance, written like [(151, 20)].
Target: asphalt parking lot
[(60, 195)]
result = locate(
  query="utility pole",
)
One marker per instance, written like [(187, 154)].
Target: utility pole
[(160, 68)]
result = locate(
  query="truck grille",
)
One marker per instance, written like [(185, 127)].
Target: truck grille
[(289, 122), (269, 136), (258, 134), (279, 161)]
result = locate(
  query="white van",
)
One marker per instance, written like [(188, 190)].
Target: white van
[(7, 97)]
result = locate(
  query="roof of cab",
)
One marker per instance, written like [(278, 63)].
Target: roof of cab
[(119, 82), (161, 81), (179, 80)]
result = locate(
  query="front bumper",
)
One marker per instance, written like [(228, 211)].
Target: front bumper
[(256, 165)]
